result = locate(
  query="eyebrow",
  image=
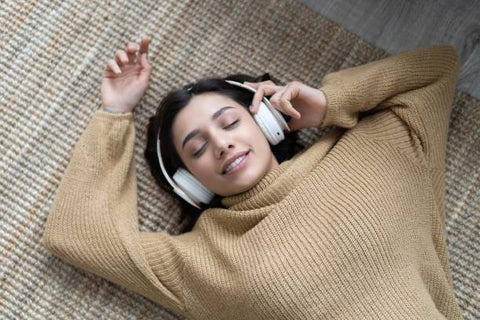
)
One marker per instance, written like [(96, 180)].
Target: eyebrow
[(215, 115)]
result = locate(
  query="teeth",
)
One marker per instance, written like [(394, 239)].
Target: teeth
[(234, 163)]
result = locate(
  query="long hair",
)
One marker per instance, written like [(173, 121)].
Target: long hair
[(168, 109)]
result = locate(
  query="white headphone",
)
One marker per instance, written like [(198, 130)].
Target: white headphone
[(193, 191)]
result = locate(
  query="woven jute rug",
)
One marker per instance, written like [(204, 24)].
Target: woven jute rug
[(52, 54)]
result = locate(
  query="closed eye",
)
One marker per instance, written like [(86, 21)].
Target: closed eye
[(231, 124), (196, 154)]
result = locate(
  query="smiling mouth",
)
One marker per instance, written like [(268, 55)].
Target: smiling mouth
[(237, 164)]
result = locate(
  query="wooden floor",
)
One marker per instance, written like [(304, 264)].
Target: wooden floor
[(398, 25)]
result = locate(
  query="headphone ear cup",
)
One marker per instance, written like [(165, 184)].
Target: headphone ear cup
[(269, 124), (191, 186), (269, 119)]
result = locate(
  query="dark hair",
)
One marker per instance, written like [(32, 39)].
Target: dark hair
[(168, 109)]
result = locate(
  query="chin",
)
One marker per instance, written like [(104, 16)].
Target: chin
[(248, 183), (235, 191)]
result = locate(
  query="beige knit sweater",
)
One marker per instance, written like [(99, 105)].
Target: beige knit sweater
[(350, 228)]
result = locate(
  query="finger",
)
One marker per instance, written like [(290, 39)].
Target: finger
[(132, 51), (291, 92), (289, 109), (284, 105), (146, 67), (251, 84), (121, 57), (112, 65), (259, 94), (255, 85), (275, 100), (144, 46)]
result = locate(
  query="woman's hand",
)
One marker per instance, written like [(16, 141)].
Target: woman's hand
[(125, 78), (306, 105)]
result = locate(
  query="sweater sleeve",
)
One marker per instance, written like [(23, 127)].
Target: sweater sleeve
[(417, 86), (93, 223)]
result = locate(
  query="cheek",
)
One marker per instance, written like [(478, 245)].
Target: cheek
[(258, 138), (253, 130), (201, 168)]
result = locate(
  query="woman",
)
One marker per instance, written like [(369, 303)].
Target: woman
[(350, 228)]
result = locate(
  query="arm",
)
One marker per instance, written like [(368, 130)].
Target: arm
[(417, 86), (93, 223)]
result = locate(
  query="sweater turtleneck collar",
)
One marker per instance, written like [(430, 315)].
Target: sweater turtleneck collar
[(277, 183), (258, 194)]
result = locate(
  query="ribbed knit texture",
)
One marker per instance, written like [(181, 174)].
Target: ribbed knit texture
[(350, 228)]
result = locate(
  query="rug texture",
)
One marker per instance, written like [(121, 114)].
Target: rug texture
[(52, 54)]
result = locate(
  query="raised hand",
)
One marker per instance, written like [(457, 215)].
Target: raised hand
[(125, 78), (306, 105)]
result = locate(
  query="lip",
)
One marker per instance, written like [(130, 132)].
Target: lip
[(233, 158), (239, 166)]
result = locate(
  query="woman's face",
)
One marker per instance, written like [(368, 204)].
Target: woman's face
[(210, 130)]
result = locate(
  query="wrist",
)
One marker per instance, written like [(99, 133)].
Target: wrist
[(322, 105)]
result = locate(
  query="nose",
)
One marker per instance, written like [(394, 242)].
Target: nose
[(221, 145)]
